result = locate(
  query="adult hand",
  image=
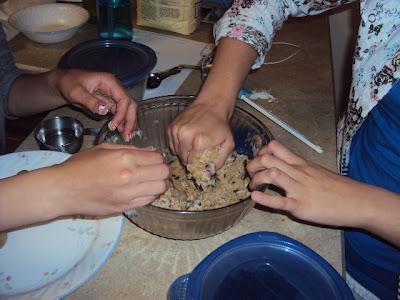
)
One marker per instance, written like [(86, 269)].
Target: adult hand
[(100, 93), (312, 193), (110, 179), (200, 127)]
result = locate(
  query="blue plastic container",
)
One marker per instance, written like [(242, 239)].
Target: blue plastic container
[(224, 3), (130, 62), (261, 265)]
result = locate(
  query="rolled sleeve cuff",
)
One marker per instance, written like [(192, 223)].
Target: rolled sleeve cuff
[(246, 34)]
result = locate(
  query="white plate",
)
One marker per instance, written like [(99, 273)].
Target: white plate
[(52, 260)]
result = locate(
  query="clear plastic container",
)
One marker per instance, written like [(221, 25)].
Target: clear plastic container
[(181, 16)]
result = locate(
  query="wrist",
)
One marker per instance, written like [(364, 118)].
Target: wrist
[(365, 206), (57, 200), (53, 79), (221, 103)]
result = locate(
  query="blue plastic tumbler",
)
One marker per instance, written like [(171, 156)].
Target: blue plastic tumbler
[(114, 19)]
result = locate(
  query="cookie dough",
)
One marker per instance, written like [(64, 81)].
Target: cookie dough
[(199, 187), (203, 169)]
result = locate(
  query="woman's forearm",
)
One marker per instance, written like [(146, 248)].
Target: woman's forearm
[(230, 67), (30, 94)]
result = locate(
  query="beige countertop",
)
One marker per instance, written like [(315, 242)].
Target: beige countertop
[(143, 265)]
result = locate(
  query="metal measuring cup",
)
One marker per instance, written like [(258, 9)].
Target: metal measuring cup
[(61, 133)]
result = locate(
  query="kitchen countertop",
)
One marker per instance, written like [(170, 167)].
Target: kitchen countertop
[(143, 265)]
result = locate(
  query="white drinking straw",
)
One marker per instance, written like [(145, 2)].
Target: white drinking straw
[(30, 68), (282, 124)]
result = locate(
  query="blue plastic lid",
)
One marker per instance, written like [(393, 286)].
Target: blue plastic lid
[(130, 62), (262, 265)]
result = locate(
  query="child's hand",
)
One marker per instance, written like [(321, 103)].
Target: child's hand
[(110, 179), (200, 128), (312, 193)]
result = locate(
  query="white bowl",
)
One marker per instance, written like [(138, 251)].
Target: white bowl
[(49, 23)]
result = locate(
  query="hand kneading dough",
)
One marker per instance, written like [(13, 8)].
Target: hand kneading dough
[(199, 187)]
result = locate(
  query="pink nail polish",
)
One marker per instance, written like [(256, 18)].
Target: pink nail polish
[(128, 138), (112, 126), (102, 109)]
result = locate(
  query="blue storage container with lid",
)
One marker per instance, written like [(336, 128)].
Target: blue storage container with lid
[(130, 62), (261, 265)]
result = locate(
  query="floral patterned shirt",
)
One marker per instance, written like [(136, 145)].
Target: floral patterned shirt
[(376, 62)]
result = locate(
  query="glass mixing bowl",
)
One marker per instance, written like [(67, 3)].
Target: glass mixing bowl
[(154, 117)]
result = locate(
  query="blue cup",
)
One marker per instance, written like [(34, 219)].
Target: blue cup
[(261, 265)]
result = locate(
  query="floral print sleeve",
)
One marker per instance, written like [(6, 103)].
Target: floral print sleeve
[(255, 21), (376, 63)]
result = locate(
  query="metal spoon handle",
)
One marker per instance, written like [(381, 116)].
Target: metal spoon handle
[(91, 131), (165, 74)]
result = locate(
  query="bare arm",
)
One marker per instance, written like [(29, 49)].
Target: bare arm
[(231, 65), (99, 92), (320, 196), (31, 94), (244, 34), (103, 180), (205, 123), (383, 217)]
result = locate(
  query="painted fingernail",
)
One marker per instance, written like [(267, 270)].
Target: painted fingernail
[(128, 137), (102, 109), (112, 126)]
